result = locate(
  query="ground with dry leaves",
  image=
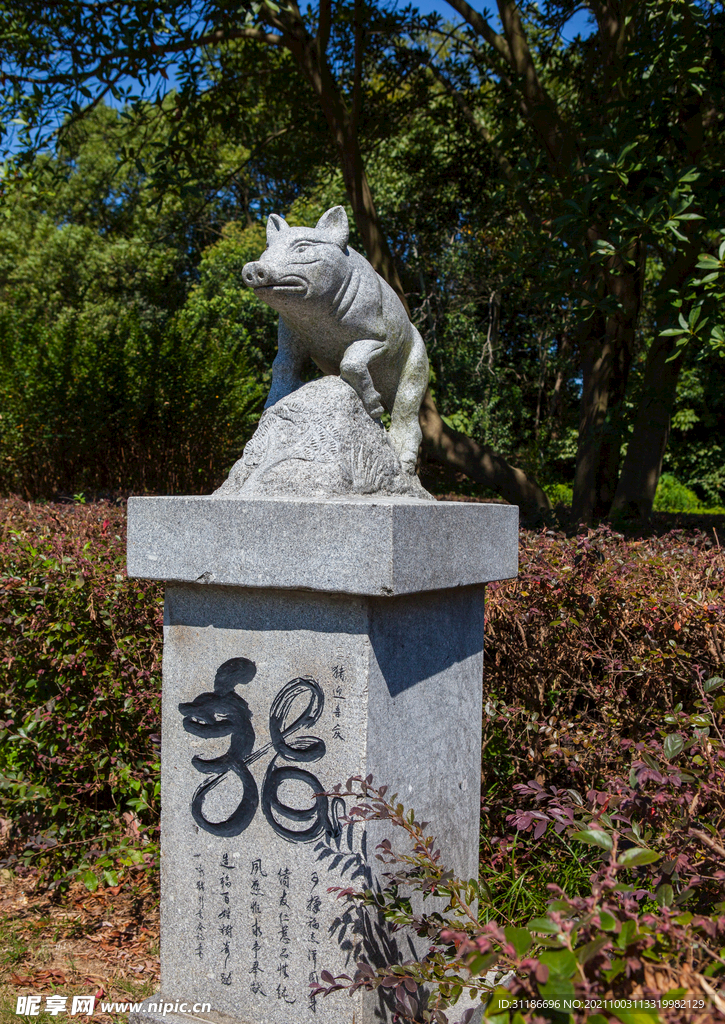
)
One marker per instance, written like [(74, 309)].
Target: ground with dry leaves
[(104, 943)]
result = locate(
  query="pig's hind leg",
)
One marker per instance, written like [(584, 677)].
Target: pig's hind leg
[(405, 433), (355, 369)]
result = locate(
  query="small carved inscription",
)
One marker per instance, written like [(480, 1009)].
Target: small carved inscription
[(226, 928), (257, 895), (313, 907), (199, 868), (338, 695), (284, 937)]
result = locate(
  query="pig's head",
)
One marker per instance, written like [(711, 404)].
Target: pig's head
[(300, 264)]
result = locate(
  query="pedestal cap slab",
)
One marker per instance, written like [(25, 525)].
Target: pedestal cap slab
[(365, 546)]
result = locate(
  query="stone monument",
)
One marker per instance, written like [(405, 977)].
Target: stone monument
[(324, 618)]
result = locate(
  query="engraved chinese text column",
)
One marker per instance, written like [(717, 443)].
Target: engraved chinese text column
[(306, 641)]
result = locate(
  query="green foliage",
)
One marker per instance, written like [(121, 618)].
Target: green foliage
[(498, 267), (672, 496), (606, 143), (54, 51), (599, 952), (117, 371), (704, 299), (80, 649), (557, 189), (559, 494), (696, 453)]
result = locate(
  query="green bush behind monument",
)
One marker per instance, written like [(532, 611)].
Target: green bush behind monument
[(80, 652)]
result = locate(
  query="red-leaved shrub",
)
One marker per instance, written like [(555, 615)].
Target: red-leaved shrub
[(80, 659)]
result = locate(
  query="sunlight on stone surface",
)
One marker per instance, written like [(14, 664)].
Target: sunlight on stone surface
[(324, 619)]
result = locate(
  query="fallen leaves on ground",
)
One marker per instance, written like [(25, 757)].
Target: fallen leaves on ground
[(103, 943)]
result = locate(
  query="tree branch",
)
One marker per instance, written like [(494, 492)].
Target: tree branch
[(613, 25), (195, 214), (481, 27), (324, 26), (538, 105), (501, 158), (357, 74), (210, 39), (521, 59)]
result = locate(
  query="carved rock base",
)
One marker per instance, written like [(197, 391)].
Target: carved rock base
[(319, 442)]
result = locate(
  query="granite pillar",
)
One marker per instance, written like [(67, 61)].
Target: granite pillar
[(307, 641)]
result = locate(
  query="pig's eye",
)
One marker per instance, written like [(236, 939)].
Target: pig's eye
[(302, 245)]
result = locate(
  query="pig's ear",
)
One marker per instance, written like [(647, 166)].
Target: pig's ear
[(275, 226), (334, 227)]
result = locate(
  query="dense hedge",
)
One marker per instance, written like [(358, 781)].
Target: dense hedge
[(80, 655), (598, 622), (137, 382)]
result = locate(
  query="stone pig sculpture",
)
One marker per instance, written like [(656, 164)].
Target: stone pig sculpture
[(335, 309)]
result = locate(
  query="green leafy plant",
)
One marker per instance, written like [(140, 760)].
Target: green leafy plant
[(131, 354), (672, 496), (80, 650), (560, 494), (600, 951)]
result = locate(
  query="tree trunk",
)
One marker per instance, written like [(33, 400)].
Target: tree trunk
[(556, 399), (643, 462), (449, 447), (606, 357), (313, 65), (613, 430), (597, 360)]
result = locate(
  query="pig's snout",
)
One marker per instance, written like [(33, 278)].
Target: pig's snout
[(256, 275)]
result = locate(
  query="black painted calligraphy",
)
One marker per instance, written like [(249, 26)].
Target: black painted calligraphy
[(226, 928), (225, 713), (257, 873), (199, 949), (298, 750)]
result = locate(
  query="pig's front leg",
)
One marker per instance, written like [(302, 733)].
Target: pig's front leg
[(354, 368), (287, 365)]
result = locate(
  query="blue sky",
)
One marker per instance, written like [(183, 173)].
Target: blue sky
[(580, 23)]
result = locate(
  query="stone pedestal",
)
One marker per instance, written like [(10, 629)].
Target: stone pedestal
[(306, 641)]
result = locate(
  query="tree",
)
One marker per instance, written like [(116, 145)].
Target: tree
[(67, 57), (612, 148), (128, 357)]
